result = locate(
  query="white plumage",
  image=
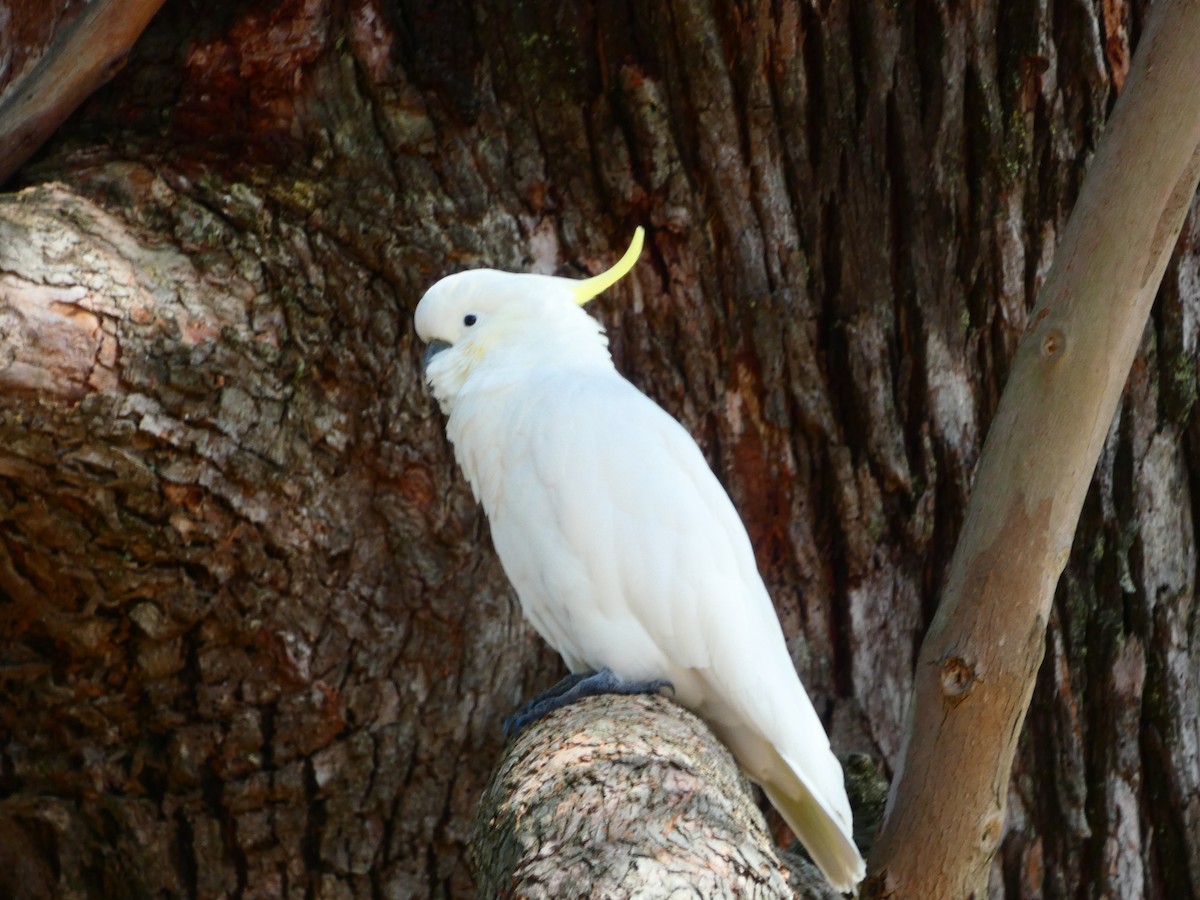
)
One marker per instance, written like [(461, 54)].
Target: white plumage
[(625, 551)]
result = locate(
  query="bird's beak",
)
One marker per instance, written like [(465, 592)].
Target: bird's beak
[(432, 350)]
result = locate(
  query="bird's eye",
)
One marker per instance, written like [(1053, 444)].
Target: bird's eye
[(469, 319)]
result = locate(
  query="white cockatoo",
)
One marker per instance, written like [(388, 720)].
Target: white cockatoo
[(626, 553)]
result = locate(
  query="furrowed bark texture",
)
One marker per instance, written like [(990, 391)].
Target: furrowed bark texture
[(254, 640)]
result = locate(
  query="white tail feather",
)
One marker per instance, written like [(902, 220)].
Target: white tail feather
[(828, 840)]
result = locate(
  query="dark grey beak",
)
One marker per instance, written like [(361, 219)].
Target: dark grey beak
[(432, 350)]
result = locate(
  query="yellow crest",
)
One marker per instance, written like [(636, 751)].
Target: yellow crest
[(598, 284)]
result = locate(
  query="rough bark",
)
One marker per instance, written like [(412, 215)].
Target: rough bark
[(254, 640), (633, 796), (618, 796)]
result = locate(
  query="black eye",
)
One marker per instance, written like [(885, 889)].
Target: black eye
[(469, 319)]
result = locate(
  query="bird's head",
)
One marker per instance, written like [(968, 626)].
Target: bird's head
[(484, 316)]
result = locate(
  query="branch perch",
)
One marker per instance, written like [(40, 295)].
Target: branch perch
[(613, 795)]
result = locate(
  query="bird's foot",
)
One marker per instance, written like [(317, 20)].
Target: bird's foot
[(575, 687)]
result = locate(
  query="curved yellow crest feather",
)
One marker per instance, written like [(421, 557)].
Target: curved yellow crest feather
[(597, 284)]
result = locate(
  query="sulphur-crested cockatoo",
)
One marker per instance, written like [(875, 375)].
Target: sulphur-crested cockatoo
[(626, 553)]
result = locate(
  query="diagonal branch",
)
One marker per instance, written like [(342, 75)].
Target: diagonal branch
[(80, 57), (978, 664)]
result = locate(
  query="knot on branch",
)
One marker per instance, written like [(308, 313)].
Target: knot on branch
[(1053, 344), (958, 678)]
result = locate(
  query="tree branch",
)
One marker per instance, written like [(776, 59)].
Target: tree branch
[(616, 793), (980, 658), (78, 58)]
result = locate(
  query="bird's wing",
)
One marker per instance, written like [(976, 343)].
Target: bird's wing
[(641, 531), (610, 504)]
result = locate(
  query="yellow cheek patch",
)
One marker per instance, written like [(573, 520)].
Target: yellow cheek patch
[(598, 284)]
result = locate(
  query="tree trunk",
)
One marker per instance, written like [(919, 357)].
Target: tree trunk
[(254, 640)]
